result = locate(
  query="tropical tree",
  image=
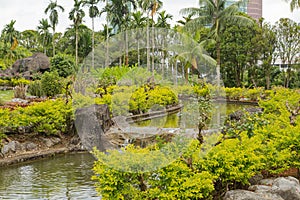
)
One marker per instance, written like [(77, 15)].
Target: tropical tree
[(288, 46), (185, 19), (138, 21), (67, 44), (43, 29), (162, 20), (76, 15), (214, 13), (294, 4), (93, 13), (29, 39), (10, 35), (118, 14), (268, 44), (150, 7), (53, 8)]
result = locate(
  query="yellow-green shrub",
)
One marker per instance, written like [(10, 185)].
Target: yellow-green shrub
[(234, 93), (49, 117), (145, 98)]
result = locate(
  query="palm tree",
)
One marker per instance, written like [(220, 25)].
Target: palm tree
[(93, 12), (138, 21), (214, 13), (118, 14), (44, 32), (162, 20), (76, 15), (148, 6), (294, 4), (185, 20), (53, 8), (10, 34)]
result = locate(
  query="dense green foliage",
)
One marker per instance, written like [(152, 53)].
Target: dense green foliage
[(51, 84), (244, 94), (49, 117), (35, 88), (12, 82), (154, 98), (222, 162), (63, 64)]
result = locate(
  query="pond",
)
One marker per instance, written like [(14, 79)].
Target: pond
[(63, 176), (188, 116)]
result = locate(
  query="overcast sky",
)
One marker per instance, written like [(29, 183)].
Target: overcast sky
[(27, 13)]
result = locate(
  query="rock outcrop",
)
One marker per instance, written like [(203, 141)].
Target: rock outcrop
[(91, 123), (26, 67), (282, 188)]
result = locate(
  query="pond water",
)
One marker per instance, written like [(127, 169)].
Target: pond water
[(188, 116), (61, 177), (64, 176)]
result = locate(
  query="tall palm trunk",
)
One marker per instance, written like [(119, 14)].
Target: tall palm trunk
[(76, 46), (153, 45), (93, 43), (138, 48), (126, 47), (44, 46), (53, 42), (218, 49), (106, 53), (148, 42)]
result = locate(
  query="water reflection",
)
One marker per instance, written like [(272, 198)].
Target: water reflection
[(189, 115), (62, 177)]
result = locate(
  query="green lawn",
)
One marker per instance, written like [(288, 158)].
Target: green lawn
[(6, 95)]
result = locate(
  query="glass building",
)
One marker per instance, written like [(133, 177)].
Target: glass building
[(252, 7)]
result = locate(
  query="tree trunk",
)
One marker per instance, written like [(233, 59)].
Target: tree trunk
[(148, 42), (238, 76), (126, 48), (106, 53), (268, 74), (138, 51), (53, 43), (44, 46), (218, 48), (288, 76), (93, 44), (153, 45), (76, 45)]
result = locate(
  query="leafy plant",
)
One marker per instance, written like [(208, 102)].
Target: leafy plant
[(147, 97), (51, 84), (35, 88), (49, 117), (64, 64)]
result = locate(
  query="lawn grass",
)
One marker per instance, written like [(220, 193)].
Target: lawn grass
[(6, 95)]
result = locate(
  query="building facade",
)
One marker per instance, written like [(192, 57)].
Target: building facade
[(252, 7)]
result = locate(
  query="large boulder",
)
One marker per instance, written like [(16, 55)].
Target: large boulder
[(248, 195), (91, 123), (282, 188), (287, 187), (38, 62)]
